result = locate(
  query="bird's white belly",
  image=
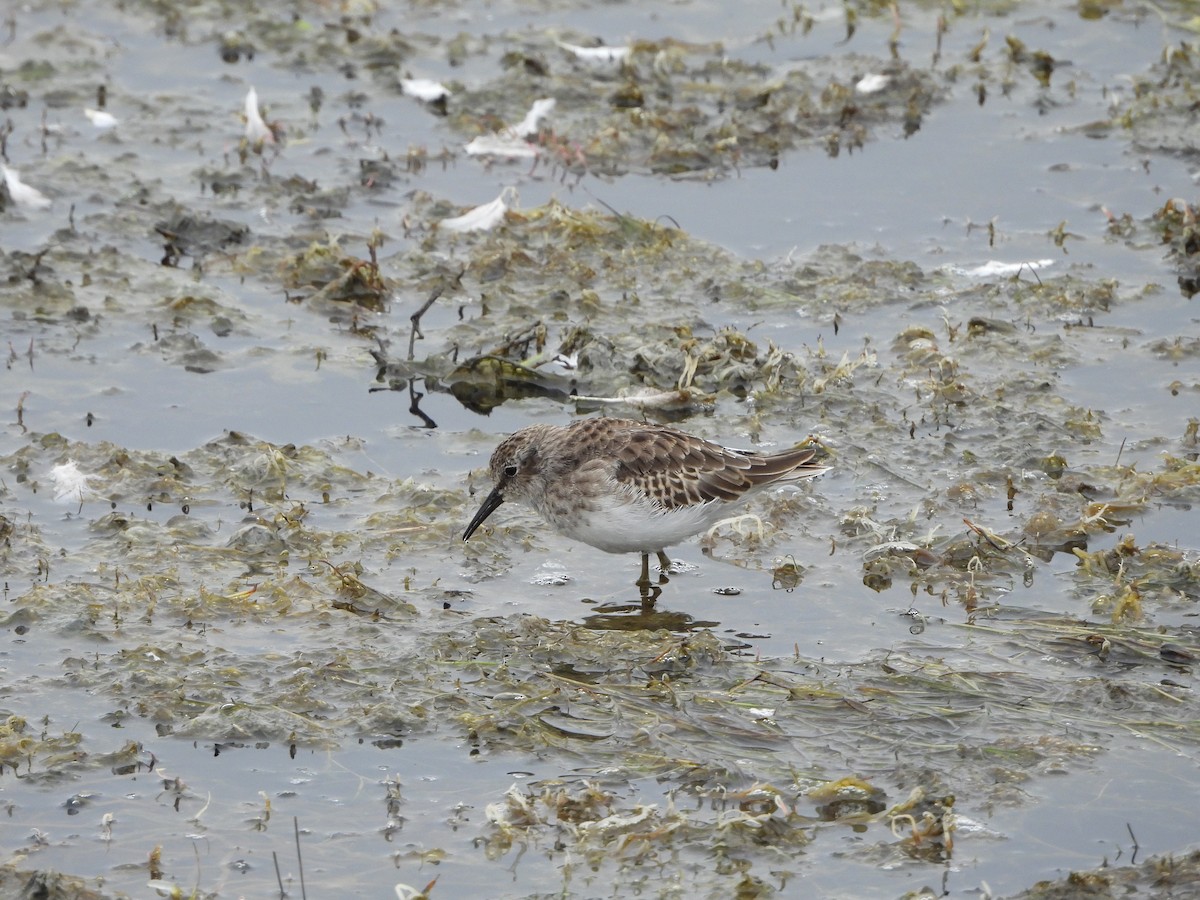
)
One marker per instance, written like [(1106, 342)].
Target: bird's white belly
[(638, 526)]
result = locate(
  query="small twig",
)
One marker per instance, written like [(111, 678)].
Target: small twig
[(31, 272), (415, 318), (278, 877), (196, 851), (994, 540), (1133, 858), (299, 858), (414, 397), (1117, 461)]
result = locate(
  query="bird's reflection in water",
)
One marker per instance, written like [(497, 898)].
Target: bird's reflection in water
[(643, 615)]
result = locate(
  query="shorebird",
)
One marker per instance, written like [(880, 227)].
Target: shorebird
[(631, 487)]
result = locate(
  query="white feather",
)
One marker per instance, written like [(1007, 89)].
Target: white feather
[(21, 193), (257, 131), (424, 89), (484, 217), (71, 484)]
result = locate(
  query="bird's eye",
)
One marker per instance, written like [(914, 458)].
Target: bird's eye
[(510, 470)]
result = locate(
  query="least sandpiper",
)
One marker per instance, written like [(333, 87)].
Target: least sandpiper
[(631, 487)]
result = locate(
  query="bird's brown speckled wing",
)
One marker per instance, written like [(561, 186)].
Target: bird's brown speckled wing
[(676, 469)]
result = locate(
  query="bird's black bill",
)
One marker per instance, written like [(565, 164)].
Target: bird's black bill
[(494, 499)]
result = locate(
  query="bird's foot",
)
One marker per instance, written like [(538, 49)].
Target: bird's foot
[(648, 589)]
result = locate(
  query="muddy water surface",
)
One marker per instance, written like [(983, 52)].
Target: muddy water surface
[(242, 646)]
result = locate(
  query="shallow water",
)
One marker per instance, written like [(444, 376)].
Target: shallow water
[(185, 602)]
